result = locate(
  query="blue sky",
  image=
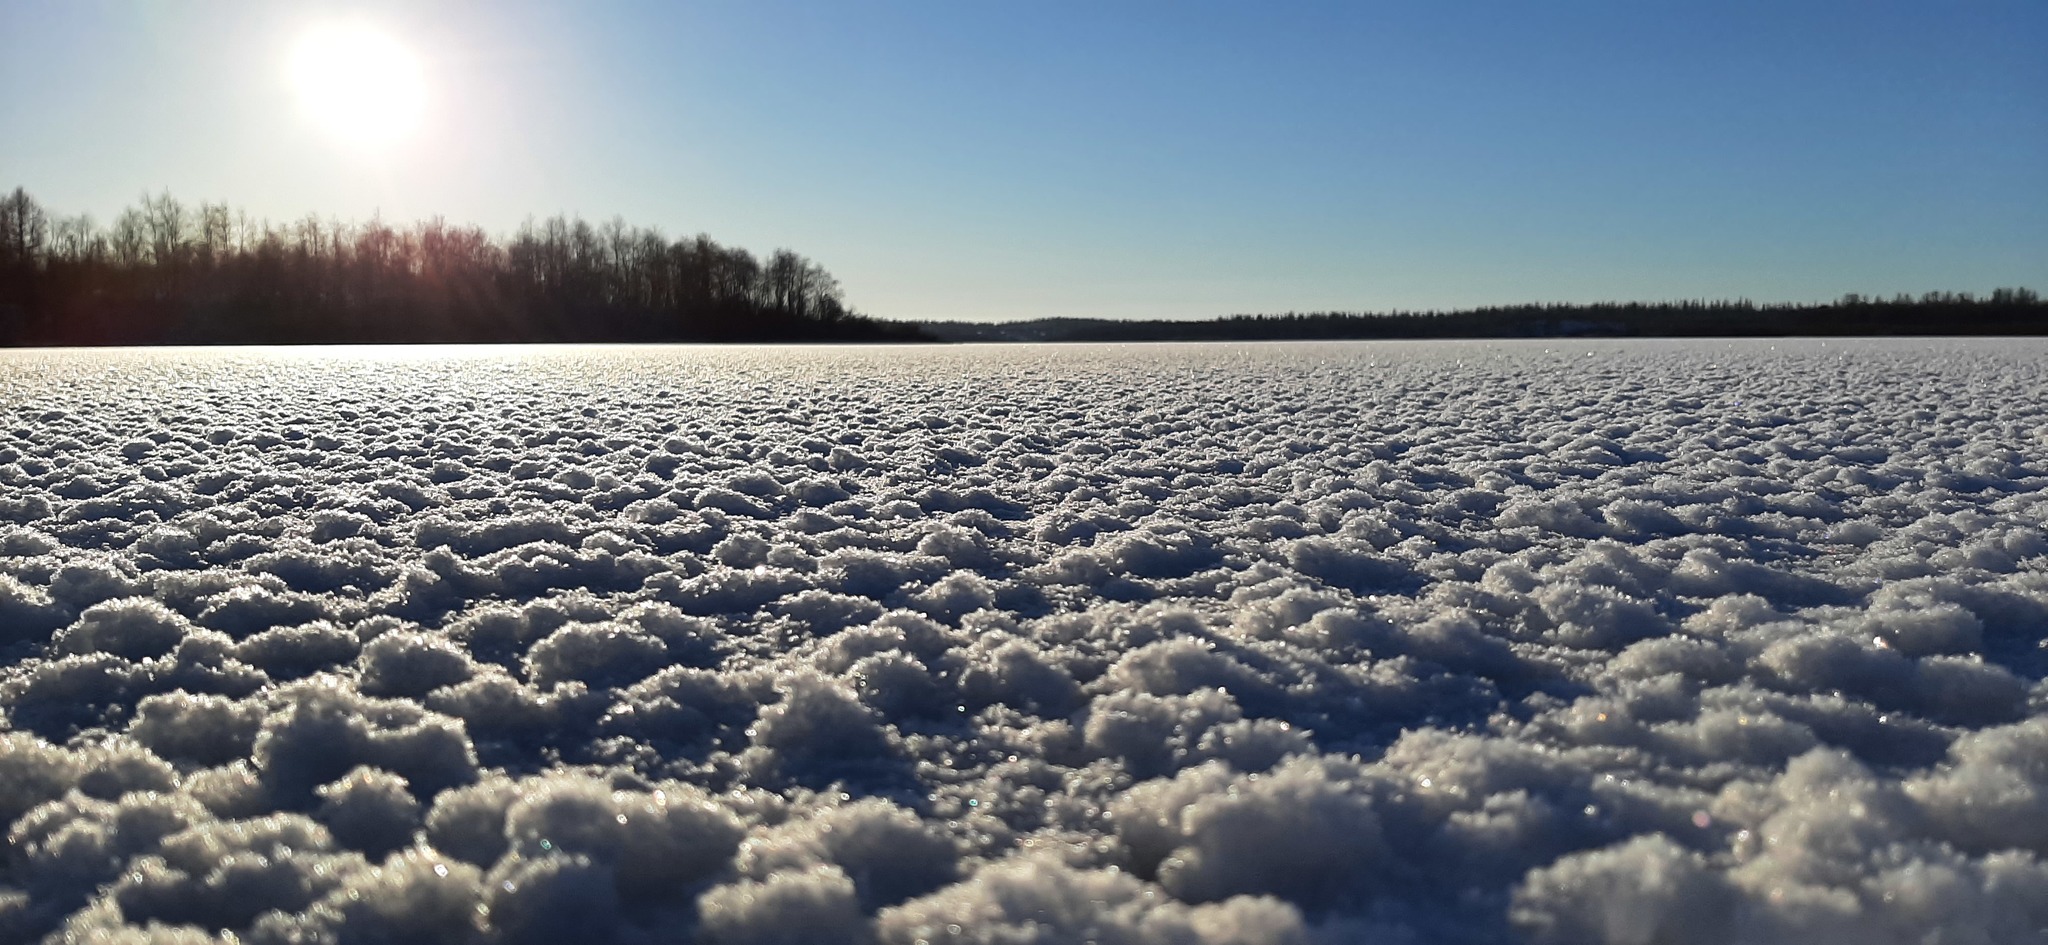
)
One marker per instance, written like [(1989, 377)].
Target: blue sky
[(1007, 160)]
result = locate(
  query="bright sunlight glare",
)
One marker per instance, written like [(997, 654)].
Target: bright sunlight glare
[(359, 84)]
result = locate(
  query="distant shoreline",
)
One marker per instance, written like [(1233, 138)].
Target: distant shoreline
[(2004, 313)]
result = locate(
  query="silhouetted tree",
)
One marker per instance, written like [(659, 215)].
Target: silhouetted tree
[(166, 271), (131, 238), (165, 219), (24, 228), (2005, 312)]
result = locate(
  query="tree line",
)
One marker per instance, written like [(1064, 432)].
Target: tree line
[(167, 272), (2011, 311)]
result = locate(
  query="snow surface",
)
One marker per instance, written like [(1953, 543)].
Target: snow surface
[(1590, 642)]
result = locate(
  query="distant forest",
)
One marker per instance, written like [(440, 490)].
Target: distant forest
[(166, 272), (2003, 312)]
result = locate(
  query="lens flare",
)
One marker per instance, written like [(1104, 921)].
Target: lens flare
[(359, 84)]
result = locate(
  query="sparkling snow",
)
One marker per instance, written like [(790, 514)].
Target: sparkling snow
[(1572, 642)]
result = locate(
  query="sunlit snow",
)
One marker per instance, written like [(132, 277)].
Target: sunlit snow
[(1573, 642)]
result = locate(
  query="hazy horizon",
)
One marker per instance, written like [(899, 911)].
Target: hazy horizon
[(1145, 161)]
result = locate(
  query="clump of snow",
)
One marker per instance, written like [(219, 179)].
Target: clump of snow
[(1599, 642)]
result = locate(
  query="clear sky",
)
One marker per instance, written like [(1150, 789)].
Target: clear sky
[(1174, 159)]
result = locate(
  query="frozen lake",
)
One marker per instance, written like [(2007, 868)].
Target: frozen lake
[(1550, 641)]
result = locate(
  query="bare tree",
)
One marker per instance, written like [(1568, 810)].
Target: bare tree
[(23, 228), (248, 232), (619, 278), (131, 238), (305, 236), (168, 228), (216, 232), (650, 258), (821, 294), (77, 240), (783, 277)]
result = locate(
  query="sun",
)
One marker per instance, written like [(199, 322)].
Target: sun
[(359, 84)]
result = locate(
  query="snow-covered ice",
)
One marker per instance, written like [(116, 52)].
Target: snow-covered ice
[(1563, 642)]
